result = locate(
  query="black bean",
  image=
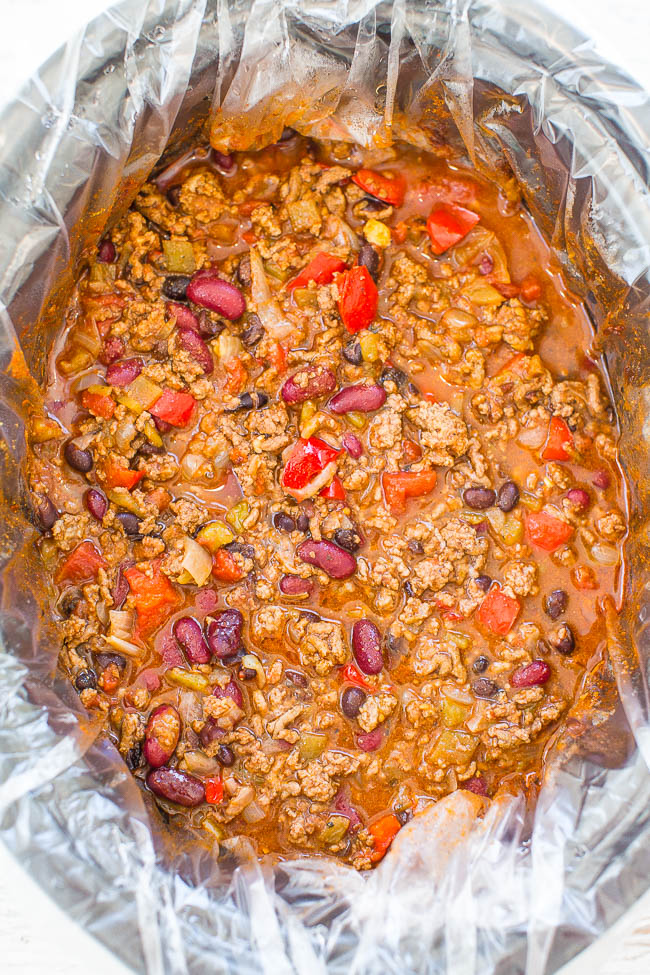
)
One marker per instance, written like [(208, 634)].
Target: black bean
[(508, 496), (352, 352), (225, 755), (479, 498), (556, 603), (96, 502), (68, 601), (394, 644), (129, 522), (348, 539), (104, 660), (210, 732), (79, 460), (484, 687), (174, 287), (300, 680), (480, 665), (250, 401), (287, 134), (416, 546), (134, 757), (244, 271), (283, 522), (302, 522), (85, 679), (253, 332), (46, 513), (369, 258), (393, 375), (373, 205), (247, 673), (563, 639), (483, 582), (149, 449), (408, 589), (351, 700), (241, 548), (404, 816), (174, 195)]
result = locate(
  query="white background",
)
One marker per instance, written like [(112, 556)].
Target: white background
[(35, 936)]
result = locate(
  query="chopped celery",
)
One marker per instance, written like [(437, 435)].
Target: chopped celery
[(334, 830), (123, 498), (311, 745), (305, 297), (139, 395), (187, 678), (369, 346), (179, 256), (357, 420), (453, 748), (102, 273)]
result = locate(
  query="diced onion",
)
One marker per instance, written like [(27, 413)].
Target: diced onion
[(197, 561), (253, 812), (200, 764), (604, 554), (124, 646), (268, 309), (102, 612), (532, 437), (191, 463), (124, 434), (121, 623), (228, 346)]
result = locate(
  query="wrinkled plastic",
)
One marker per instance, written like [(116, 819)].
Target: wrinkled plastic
[(511, 87)]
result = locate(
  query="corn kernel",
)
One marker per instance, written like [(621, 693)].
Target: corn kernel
[(376, 233)]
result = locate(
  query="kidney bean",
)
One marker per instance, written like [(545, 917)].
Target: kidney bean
[(189, 635), (45, 512), (308, 383), (79, 460), (106, 252), (296, 586), (484, 687), (358, 399), (366, 646), (480, 665), (224, 161), (150, 450), (601, 479), (508, 496), (112, 350), (161, 735), (531, 675), (85, 679), (185, 317), (129, 522), (353, 445), (369, 258), (210, 732), (123, 372), (96, 502), (177, 786), (343, 806), (352, 352), (486, 265), (225, 755), (192, 342), (579, 498), (335, 561), (479, 498), (556, 603), (121, 588), (348, 539), (283, 522), (244, 275), (476, 785), (351, 700), (207, 289), (230, 690), (253, 332), (223, 632), (370, 741), (563, 640), (483, 582), (175, 286)]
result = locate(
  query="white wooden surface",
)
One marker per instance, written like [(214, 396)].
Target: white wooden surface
[(35, 936)]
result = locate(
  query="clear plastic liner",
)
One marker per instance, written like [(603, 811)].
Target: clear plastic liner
[(468, 887)]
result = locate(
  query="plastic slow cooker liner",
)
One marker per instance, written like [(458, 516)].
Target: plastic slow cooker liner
[(469, 886)]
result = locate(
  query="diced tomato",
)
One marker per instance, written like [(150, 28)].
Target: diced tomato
[(154, 596), (81, 565), (307, 459), (321, 270), (247, 207), (517, 364), (358, 299), (559, 437), (350, 675), (430, 397), (173, 407), (498, 611), (506, 288), (406, 484), (225, 568), (277, 357), (236, 375), (98, 404), (249, 236), (388, 187), (531, 289), (411, 451), (110, 679), (583, 578), (334, 490), (383, 831), (447, 224), (399, 232), (546, 531), (117, 476), (160, 498), (214, 791)]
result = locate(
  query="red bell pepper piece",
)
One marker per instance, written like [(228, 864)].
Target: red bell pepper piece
[(386, 186), (498, 611), (214, 791), (350, 675), (530, 288), (321, 270), (406, 484), (81, 565), (334, 490), (546, 531), (307, 459), (116, 476), (98, 404), (358, 299), (383, 831), (225, 568), (559, 437), (173, 407), (154, 597), (447, 224)]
